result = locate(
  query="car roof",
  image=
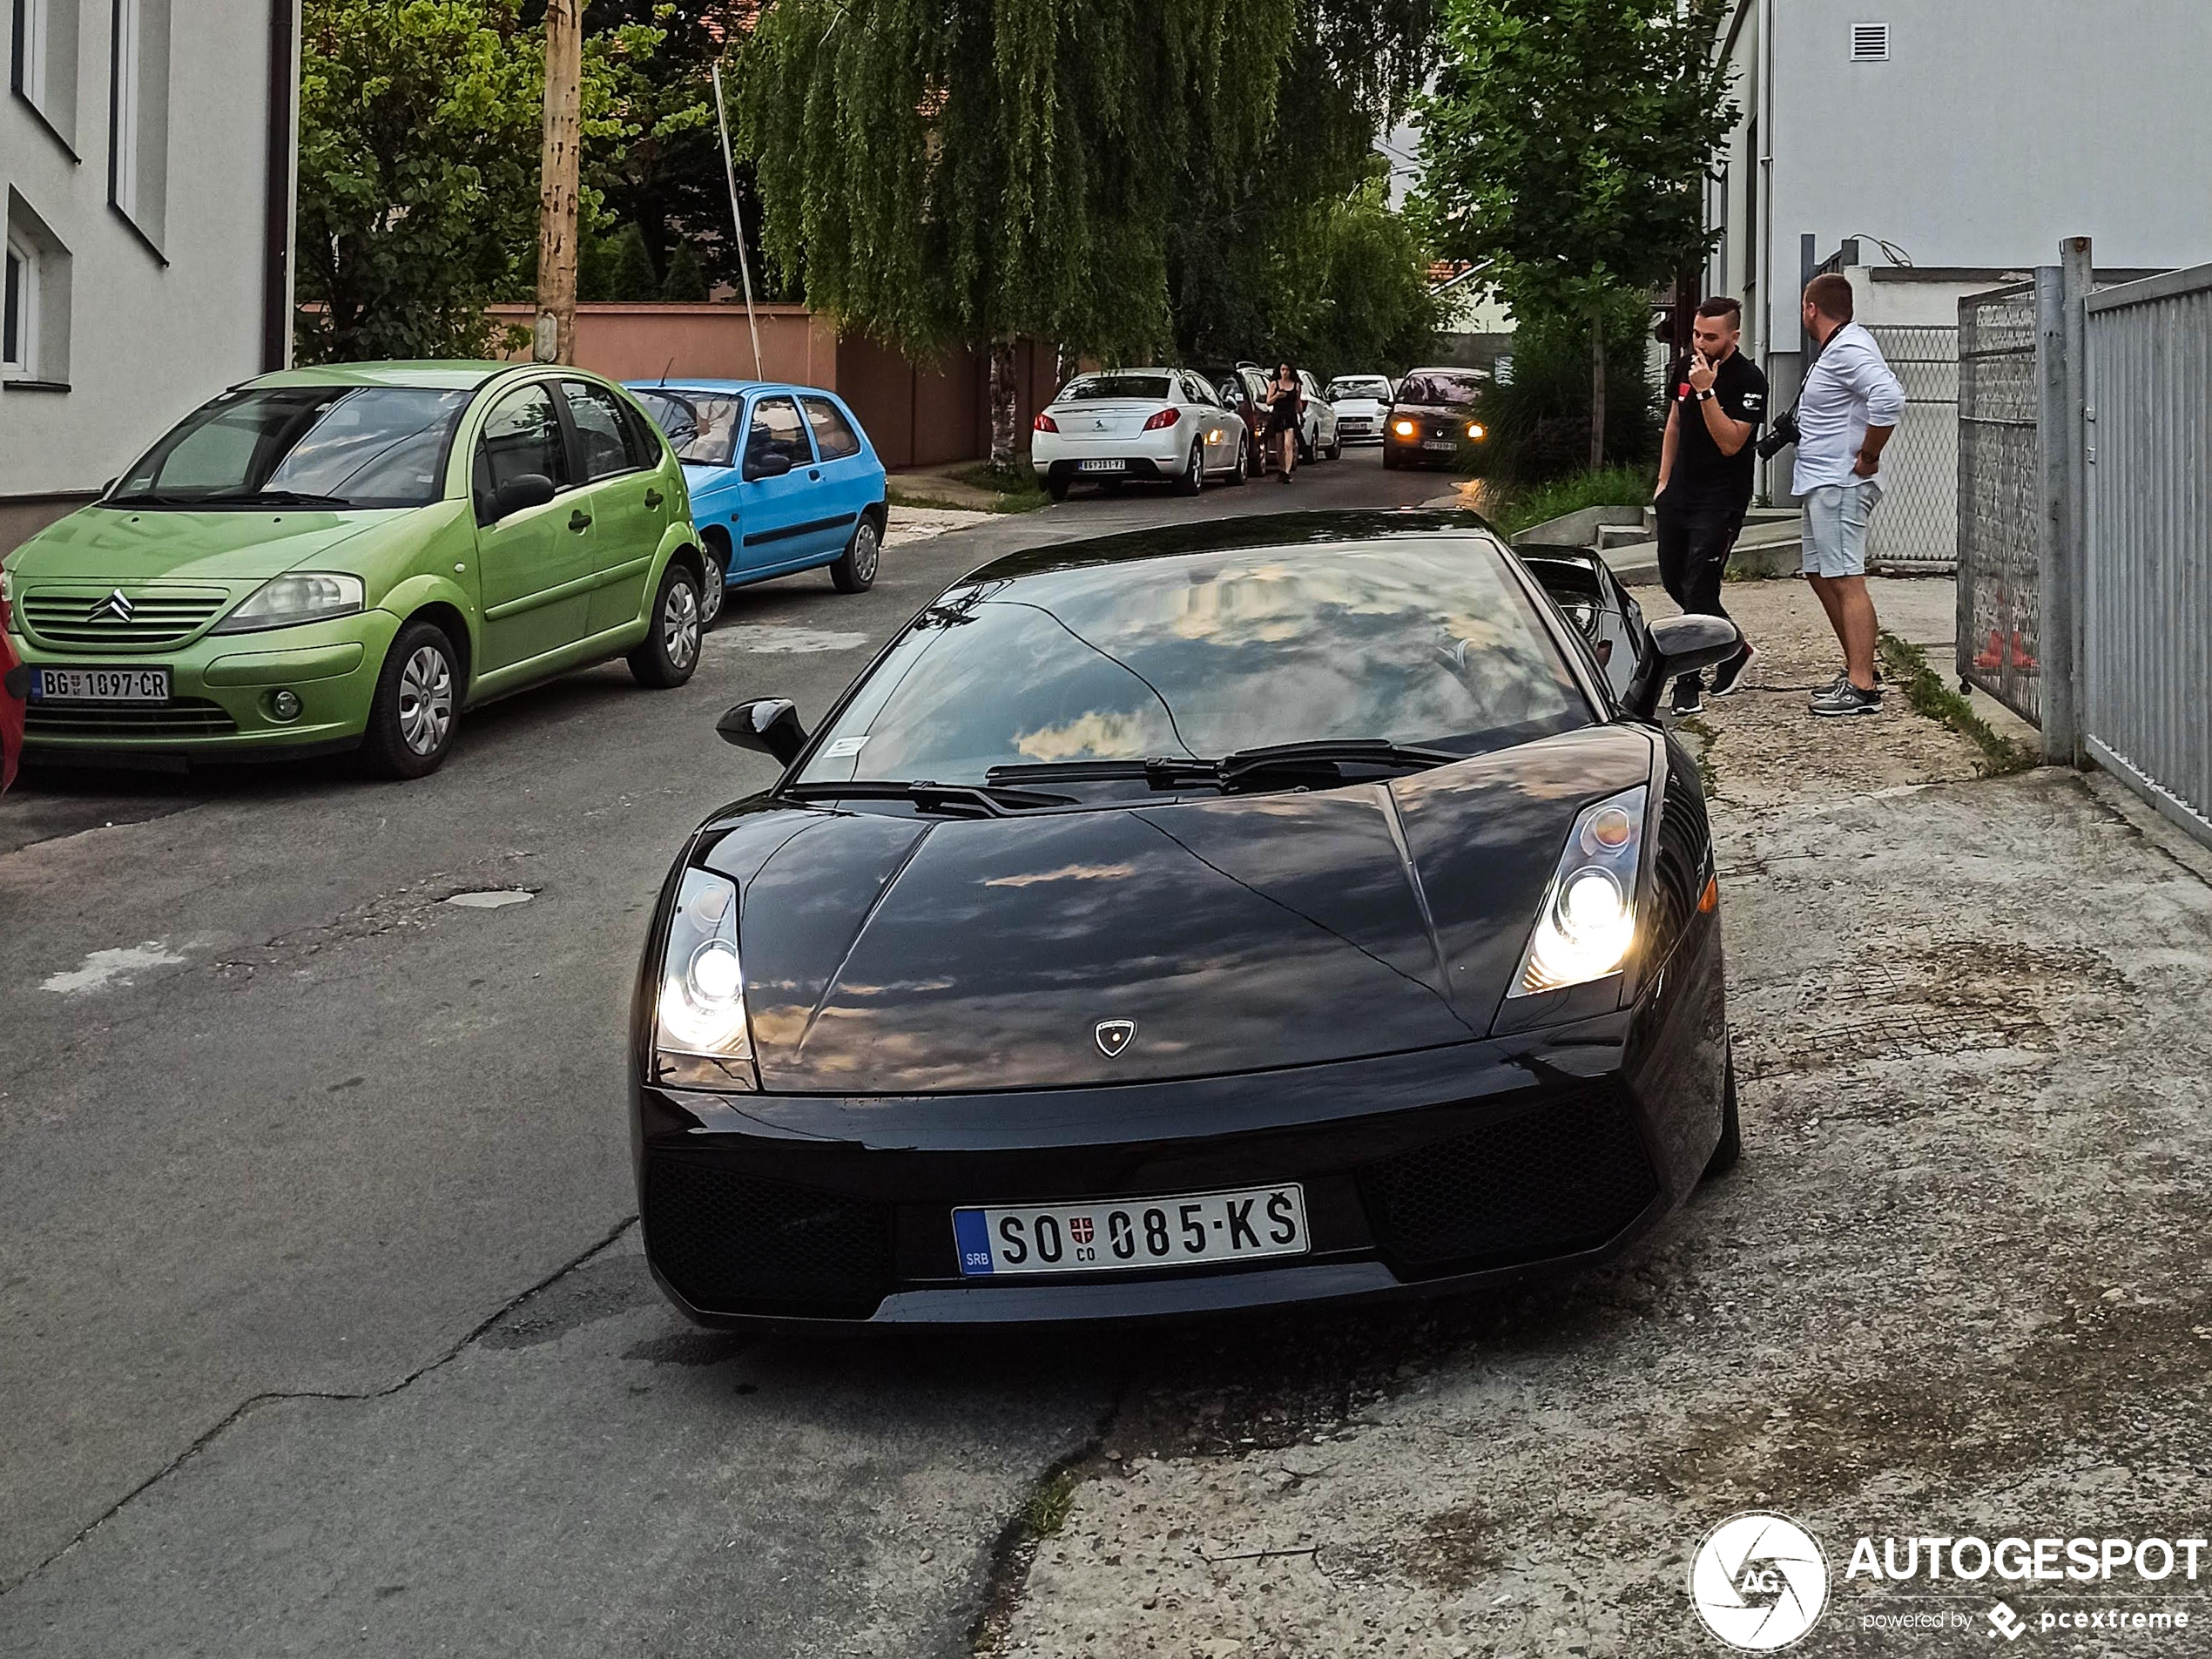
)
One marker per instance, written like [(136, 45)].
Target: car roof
[(712, 387), (444, 375), (1285, 531)]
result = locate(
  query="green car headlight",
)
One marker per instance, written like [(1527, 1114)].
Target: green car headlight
[(287, 601), (700, 1033)]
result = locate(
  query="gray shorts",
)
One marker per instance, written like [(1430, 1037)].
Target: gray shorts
[(1836, 516)]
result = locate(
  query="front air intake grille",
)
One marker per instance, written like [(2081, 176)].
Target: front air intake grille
[(182, 717), (1562, 1177), (734, 1243), (90, 620)]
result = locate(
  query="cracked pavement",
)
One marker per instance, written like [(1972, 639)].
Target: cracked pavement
[(323, 1325)]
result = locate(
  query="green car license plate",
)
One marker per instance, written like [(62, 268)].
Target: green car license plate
[(99, 686)]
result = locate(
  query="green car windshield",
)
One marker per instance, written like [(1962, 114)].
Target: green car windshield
[(303, 446)]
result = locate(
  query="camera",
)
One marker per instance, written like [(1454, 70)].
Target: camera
[(1784, 434)]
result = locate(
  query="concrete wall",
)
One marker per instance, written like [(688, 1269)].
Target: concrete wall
[(151, 331), (916, 415), (1993, 128)]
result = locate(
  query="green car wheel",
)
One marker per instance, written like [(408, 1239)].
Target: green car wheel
[(672, 649), (417, 708)]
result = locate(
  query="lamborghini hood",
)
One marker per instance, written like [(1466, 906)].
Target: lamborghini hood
[(897, 955)]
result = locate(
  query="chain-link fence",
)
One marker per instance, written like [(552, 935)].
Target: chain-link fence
[(1917, 525), (2000, 501)]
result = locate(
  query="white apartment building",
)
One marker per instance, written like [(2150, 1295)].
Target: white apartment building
[(1969, 136), (148, 150)]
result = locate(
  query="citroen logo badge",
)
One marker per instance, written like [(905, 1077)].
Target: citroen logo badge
[(1114, 1035), (115, 605)]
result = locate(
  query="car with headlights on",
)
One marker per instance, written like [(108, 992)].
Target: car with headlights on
[(782, 479), (1362, 403), (1122, 425), (1432, 419), (1268, 910), (346, 558)]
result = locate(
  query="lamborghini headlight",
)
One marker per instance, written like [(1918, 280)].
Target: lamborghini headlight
[(701, 1036), (1588, 921)]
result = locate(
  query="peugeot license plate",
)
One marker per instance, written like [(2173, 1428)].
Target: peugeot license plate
[(1102, 466), (1133, 1232), (99, 686)]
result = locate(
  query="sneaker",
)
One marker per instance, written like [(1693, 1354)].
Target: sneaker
[(1846, 698), (1728, 676), (1690, 694)]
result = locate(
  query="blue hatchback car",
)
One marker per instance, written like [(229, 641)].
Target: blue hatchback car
[(782, 478)]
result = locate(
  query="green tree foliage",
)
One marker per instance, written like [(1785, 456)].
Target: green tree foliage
[(1566, 140), (686, 277), (420, 127), (616, 266), (1538, 421), (1296, 252), (975, 171)]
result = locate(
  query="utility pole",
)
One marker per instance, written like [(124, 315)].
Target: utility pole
[(554, 339)]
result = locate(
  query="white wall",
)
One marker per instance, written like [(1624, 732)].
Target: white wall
[(1995, 128), (147, 342)]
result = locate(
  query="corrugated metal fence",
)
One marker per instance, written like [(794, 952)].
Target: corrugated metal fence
[(2085, 520), (2147, 588)]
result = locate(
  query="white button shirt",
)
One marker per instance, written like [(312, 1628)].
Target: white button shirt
[(1850, 387)]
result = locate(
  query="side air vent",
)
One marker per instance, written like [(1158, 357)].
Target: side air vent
[(1870, 42)]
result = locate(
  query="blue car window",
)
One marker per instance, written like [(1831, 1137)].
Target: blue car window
[(776, 431), (833, 434)]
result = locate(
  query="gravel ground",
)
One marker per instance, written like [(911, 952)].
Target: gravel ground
[(1957, 1285)]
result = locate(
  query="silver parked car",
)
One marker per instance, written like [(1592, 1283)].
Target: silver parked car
[(1163, 424)]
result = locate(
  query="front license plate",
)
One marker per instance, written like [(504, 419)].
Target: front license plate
[(1102, 466), (1133, 1232), (99, 686), (1438, 443)]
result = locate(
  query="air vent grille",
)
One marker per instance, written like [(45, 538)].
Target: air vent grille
[(1870, 42)]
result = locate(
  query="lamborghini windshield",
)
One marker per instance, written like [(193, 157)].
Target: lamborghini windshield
[(1432, 645)]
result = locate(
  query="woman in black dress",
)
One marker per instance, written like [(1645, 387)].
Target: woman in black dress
[(1283, 396)]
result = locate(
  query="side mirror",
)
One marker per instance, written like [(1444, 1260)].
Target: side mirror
[(767, 725), (1678, 646), (524, 489), (772, 463)]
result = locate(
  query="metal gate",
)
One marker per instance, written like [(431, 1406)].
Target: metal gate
[(2147, 576), (1998, 505), (1917, 526)]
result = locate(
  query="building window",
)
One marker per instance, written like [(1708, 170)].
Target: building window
[(138, 116), (41, 62), (1870, 42), (19, 311), (34, 299)]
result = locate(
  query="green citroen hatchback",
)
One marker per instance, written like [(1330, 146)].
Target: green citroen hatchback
[(347, 557)]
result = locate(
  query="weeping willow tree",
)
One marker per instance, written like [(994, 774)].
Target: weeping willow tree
[(942, 172)]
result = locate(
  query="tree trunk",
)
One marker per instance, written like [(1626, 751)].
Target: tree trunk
[(555, 337), (1597, 391), (1002, 405)]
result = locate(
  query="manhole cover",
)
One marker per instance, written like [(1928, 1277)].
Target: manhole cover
[(491, 897)]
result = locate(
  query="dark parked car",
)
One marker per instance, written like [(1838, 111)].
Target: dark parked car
[(1432, 418), (1265, 910)]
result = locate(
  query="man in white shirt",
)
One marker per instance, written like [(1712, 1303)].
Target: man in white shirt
[(1846, 412)]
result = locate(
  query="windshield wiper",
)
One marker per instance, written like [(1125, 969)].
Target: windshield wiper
[(980, 800), (272, 498), (1327, 755), (1319, 758)]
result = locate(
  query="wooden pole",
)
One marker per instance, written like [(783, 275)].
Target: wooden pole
[(737, 220), (553, 340)]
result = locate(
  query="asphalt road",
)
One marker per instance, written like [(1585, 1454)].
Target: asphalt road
[(321, 1318)]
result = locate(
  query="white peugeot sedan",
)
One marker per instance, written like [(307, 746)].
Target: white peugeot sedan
[(1363, 404), (1138, 423)]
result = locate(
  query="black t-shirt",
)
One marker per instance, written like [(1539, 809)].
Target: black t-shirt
[(1702, 476)]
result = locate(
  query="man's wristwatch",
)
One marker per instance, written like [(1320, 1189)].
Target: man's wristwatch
[(1705, 396)]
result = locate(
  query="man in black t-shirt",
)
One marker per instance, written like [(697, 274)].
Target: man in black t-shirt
[(1717, 401)]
